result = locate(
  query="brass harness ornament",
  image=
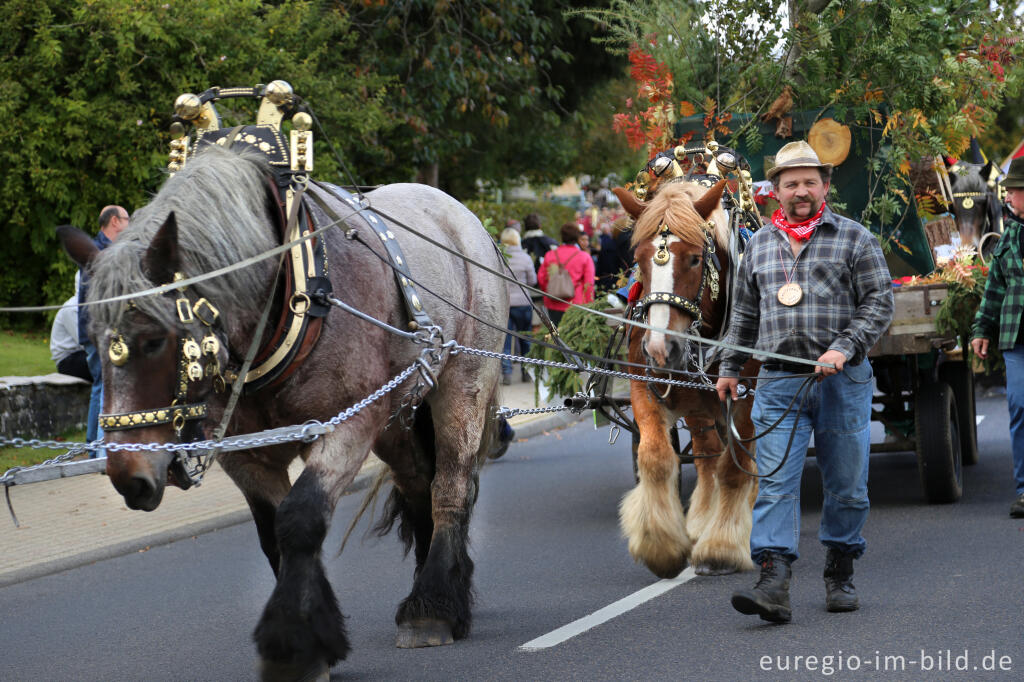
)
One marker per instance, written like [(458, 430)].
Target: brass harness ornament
[(190, 370)]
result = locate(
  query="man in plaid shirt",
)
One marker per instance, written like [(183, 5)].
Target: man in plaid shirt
[(999, 317), (812, 286)]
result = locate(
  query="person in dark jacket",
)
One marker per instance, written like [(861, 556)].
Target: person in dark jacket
[(1000, 316), (534, 241)]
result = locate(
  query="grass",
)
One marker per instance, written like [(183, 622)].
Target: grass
[(25, 354), (28, 354), (23, 457)]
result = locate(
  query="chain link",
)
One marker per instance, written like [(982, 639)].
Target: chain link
[(429, 358)]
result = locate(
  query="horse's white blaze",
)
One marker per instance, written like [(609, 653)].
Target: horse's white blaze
[(662, 280)]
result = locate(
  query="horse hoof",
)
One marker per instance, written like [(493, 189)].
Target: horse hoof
[(272, 671), (420, 632), (666, 570)]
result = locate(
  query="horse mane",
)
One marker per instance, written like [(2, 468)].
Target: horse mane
[(673, 206), (219, 200)]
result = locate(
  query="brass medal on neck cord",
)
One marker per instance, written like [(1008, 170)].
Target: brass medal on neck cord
[(790, 293)]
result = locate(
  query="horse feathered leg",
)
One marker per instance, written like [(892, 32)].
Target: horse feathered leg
[(724, 544), (438, 609), (264, 487), (651, 515), (301, 633), (702, 501)]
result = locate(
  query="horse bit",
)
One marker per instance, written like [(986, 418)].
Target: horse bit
[(708, 278)]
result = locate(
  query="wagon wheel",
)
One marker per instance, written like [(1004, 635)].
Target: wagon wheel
[(938, 443), (960, 378), (674, 437)]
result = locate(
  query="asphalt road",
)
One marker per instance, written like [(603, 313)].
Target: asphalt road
[(940, 588)]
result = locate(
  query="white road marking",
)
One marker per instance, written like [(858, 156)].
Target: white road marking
[(578, 627), (978, 418)]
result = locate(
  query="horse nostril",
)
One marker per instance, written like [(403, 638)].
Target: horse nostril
[(139, 492)]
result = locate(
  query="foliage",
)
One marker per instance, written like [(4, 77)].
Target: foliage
[(928, 75), (25, 353), (552, 215), (488, 89), (581, 331), (89, 87)]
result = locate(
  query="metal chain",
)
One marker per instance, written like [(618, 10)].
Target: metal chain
[(429, 358), (307, 432), (588, 368)]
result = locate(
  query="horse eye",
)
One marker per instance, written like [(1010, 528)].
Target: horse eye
[(153, 346), (694, 260)]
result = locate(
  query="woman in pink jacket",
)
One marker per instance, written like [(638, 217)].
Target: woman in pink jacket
[(577, 262)]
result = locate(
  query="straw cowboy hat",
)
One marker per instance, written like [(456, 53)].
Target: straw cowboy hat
[(1014, 174), (795, 155)]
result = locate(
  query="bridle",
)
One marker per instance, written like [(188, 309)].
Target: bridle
[(709, 278), (196, 360)]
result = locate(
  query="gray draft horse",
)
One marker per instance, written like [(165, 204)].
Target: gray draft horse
[(218, 211)]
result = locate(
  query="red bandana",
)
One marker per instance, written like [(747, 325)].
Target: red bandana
[(799, 231)]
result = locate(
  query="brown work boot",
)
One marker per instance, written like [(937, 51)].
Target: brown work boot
[(840, 594), (770, 597)]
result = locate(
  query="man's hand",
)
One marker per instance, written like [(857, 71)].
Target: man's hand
[(727, 386), (832, 357), (980, 347)]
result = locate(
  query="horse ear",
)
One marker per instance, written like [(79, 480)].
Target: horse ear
[(162, 259), (711, 200), (989, 172), (77, 244), (633, 206)]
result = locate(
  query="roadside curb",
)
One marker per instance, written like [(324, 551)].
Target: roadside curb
[(526, 426)]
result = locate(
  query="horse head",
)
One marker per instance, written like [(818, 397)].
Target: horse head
[(975, 205), (680, 240), (164, 356)]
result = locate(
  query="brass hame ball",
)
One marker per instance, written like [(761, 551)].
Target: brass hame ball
[(302, 121), (188, 106), (279, 92)]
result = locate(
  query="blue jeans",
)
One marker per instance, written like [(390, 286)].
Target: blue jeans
[(1014, 360), (838, 411), (92, 429), (520, 319)]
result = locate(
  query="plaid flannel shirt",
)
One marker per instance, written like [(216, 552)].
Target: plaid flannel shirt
[(847, 294), (999, 314)]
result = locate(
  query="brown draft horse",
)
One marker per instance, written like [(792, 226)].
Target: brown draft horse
[(672, 236), (218, 211)]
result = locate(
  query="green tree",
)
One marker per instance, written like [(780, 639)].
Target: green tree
[(929, 74), (89, 88), (487, 90)]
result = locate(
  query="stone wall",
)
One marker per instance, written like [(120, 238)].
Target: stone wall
[(42, 406)]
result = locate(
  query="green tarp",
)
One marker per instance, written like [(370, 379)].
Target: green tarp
[(849, 178)]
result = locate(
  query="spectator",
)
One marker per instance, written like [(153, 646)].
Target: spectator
[(580, 268), (616, 255), (113, 220), (65, 349), (998, 320), (520, 311), (534, 241)]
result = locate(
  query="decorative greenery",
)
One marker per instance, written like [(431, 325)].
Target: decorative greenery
[(581, 331), (964, 276)]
